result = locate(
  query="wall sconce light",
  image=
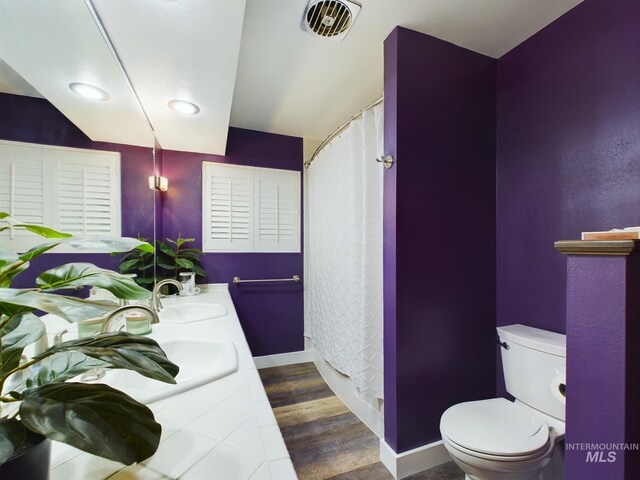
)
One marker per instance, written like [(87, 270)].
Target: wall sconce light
[(158, 183)]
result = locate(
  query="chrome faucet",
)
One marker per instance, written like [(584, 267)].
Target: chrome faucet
[(41, 344), (156, 304), (112, 317)]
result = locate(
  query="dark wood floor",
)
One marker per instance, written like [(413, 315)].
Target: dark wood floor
[(326, 440)]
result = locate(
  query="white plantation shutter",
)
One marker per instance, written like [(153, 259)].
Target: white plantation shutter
[(24, 191), (87, 186), (73, 190), (249, 209), (278, 213), (228, 197)]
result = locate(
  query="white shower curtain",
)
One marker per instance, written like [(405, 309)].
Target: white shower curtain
[(344, 279)]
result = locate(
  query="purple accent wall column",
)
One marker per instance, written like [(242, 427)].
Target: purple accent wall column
[(35, 120), (271, 314), (603, 342), (439, 219), (389, 242), (568, 151)]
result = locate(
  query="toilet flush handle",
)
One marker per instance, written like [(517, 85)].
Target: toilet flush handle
[(504, 345)]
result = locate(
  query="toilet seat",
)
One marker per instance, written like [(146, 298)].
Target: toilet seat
[(496, 458), (496, 429)]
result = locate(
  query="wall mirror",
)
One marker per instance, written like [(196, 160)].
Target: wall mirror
[(71, 157)]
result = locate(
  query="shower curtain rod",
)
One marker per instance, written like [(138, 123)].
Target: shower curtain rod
[(339, 130)]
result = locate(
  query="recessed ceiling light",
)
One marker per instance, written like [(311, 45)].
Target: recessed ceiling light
[(89, 91), (184, 107)]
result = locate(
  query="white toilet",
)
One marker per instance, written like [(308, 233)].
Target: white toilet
[(497, 439)]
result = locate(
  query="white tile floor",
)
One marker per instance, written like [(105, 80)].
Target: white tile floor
[(225, 430)]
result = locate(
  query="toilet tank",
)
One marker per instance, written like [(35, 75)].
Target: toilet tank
[(534, 366)]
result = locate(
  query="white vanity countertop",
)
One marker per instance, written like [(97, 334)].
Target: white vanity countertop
[(224, 430)]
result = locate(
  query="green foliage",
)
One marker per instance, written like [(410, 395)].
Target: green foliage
[(140, 263), (79, 274), (79, 415), (34, 395), (173, 257)]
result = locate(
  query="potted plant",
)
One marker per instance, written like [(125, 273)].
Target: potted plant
[(173, 257), (37, 401), (141, 263)]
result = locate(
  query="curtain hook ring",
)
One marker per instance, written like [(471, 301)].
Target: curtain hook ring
[(386, 160)]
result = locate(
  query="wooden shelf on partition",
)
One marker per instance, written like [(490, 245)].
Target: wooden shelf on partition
[(612, 235)]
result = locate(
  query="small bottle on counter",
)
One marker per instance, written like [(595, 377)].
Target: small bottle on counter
[(90, 327), (137, 323)]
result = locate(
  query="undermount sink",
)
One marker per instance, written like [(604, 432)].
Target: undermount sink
[(200, 362), (191, 312)]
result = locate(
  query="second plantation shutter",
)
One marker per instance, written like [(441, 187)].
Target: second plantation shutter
[(278, 215), (228, 208), (73, 190), (25, 191), (250, 209), (88, 198)]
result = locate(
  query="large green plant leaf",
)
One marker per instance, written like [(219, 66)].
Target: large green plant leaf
[(123, 244), (60, 367), (166, 249), (92, 244), (184, 263), (166, 266), (7, 221), (19, 331), (10, 265), (92, 417), (180, 241), (128, 264), (123, 350), (7, 257), (38, 250), (70, 308), (12, 434), (78, 243), (191, 255), (80, 274), (199, 271)]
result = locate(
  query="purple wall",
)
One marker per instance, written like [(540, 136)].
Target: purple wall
[(35, 120), (568, 152), (602, 357), (271, 315), (439, 217)]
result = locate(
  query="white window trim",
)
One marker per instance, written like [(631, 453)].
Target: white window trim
[(51, 199), (254, 205)]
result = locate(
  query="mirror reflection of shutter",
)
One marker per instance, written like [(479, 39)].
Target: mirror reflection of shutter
[(88, 193), (24, 192), (228, 208), (278, 215)]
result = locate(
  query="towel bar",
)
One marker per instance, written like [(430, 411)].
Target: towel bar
[(295, 278)]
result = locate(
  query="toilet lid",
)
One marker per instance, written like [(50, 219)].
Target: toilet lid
[(495, 427)]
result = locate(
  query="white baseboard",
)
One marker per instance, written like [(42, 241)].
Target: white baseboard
[(405, 464), (280, 359), (343, 387)]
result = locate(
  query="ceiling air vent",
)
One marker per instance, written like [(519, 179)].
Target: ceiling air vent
[(330, 19)]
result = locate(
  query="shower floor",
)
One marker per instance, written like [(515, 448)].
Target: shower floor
[(325, 440)]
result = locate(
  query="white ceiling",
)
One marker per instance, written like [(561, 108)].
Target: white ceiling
[(11, 82), (249, 66), (51, 44), (180, 49), (293, 83)]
